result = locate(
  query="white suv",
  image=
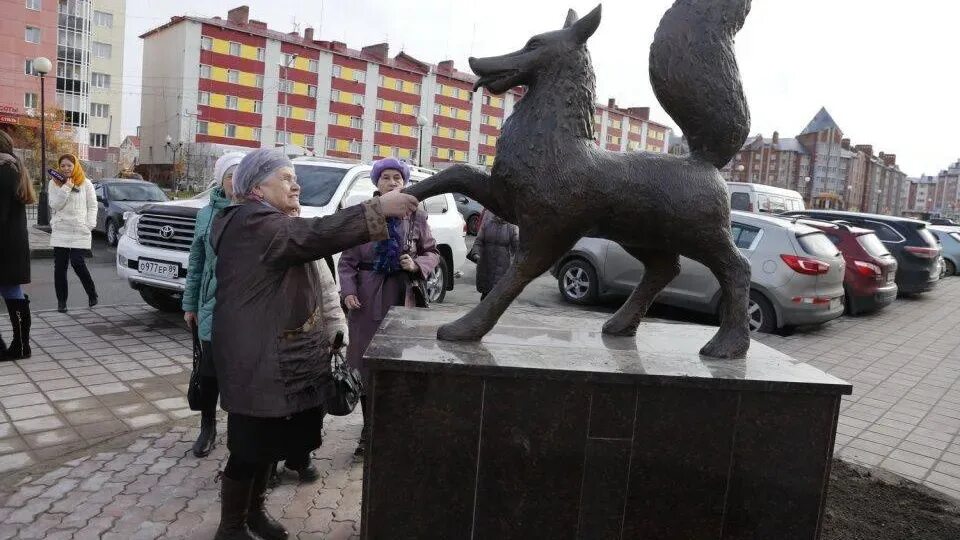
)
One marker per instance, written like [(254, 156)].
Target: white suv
[(153, 251)]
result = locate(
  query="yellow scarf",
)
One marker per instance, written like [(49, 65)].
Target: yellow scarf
[(78, 177)]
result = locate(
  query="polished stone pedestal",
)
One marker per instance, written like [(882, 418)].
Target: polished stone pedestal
[(548, 429)]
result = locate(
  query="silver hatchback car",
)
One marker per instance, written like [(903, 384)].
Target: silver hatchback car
[(797, 274)]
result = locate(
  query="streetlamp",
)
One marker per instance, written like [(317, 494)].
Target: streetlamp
[(879, 191), (846, 202), (421, 121), (174, 148), (807, 187), (43, 66), (286, 72)]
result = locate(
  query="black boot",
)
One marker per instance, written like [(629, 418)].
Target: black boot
[(19, 310), (362, 443), (234, 509), (62, 306), (258, 519), (208, 434), (308, 473)]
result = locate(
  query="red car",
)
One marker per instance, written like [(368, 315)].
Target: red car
[(869, 281)]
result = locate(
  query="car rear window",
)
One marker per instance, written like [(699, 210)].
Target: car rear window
[(740, 201), (927, 236), (884, 232), (872, 245), (817, 244)]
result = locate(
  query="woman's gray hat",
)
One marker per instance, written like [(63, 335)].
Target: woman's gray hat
[(256, 167)]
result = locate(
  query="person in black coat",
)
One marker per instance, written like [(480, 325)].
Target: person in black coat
[(16, 191)]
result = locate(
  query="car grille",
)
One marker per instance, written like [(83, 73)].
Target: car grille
[(167, 232)]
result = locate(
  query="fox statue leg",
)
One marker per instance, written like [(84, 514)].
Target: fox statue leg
[(659, 269), (466, 180), (732, 270)]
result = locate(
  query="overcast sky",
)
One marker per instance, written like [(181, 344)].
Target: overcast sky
[(885, 69)]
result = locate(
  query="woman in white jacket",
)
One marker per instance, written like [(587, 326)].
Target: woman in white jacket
[(74, 206)]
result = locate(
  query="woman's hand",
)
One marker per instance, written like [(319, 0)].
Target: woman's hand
[(352, 302), (408, 264), (190, 318)]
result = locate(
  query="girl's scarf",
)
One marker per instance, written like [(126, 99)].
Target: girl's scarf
[(387, 252), (77, 178)]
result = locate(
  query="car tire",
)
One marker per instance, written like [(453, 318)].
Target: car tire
[(161, 301), (761, 314), (578, 282), (473, 225), (112, 232), (436, 282), (951, 269)]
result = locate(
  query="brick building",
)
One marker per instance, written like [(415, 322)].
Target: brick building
[(946, 200), (27, 31), (215, 84)]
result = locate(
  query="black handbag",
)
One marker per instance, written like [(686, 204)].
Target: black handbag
[(194, 392), (347, 384)]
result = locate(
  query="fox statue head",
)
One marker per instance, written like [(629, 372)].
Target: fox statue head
[(539, 56)]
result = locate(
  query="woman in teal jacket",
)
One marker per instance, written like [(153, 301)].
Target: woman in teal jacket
[(199, 296)]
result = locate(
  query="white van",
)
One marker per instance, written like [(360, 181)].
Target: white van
[(762, 198)]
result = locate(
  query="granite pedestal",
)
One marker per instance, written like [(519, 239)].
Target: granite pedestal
[(549, 429)]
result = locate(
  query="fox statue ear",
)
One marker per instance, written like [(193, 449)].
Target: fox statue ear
[(585, 27), (571, 18)]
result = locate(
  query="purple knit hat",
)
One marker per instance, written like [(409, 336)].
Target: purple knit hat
[(389, 163)]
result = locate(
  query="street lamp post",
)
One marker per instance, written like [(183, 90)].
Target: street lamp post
[(43, 66), (809, 189), (846, 202), (421, 121), (879, 191), (174, 149), (286, 72)]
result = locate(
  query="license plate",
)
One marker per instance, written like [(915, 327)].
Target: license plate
[(159, 269)]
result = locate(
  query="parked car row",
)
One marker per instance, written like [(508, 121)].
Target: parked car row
[(807, 267)]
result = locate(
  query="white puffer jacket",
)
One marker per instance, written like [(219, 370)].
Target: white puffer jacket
[(74, 215)]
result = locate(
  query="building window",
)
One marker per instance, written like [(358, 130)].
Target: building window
[(30, 101), (311, 116), (484, 118), (258, 107), (204, 98), (284, 111), (258, 81), (380, 104), (100, 80), (102, 18), (378, 126), (204, 71), (202, 127), (397, 107), (354, 147), (230, 130), (396, 129), (282, 137), (486, 101), (256, 134), (32, 34), (314, 66), (102, 50), (356, 122), (358, 99), (398, 85), (334, 118), (285, 86), (288, 60), (308, 141), (28, 67), (436, 108), (234, 48), (100, 110), (312, 90), (260, 54), (232, 102), (98, 140), (33, 4), (233, 76), (337, 70), (335, 95), (454, 112), (359, 76), (206, 43)]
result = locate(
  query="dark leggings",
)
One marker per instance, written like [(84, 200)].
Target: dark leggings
[(62, 256), (242, 470)]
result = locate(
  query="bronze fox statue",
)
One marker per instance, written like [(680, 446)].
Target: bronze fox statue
[(550, 178)]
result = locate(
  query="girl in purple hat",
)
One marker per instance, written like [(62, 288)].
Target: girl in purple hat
[(378, 275)]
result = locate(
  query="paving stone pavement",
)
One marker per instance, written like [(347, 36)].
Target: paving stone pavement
[(124, 369)]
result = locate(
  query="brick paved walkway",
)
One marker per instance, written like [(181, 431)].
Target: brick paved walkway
[(100, 378)]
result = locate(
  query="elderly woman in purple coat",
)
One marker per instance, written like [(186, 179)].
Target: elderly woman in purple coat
[(378, 275)]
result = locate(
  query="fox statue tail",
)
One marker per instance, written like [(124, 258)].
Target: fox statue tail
[(695, 77)]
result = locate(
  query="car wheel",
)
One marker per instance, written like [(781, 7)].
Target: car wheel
[(761, 314), (437, 283), (113, 233), (161, 301), (473, 224), (951, 269), (577, 281)]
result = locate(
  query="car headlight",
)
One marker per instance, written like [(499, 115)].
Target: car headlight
[(130, 220)]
